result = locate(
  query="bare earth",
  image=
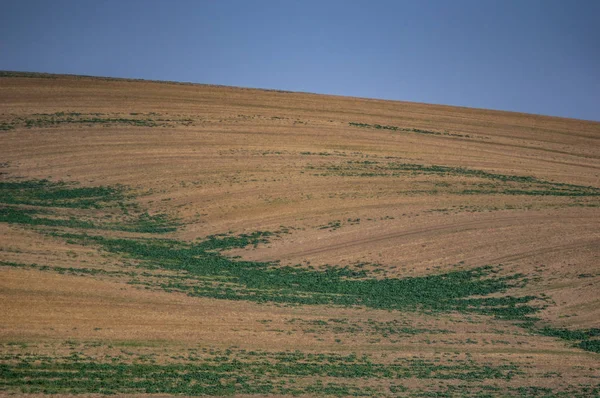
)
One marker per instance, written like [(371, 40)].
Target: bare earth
[(331, 173)]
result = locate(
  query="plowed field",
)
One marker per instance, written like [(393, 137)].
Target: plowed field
[(177, 239)]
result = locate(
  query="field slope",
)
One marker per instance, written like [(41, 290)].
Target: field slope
[(181, 239)]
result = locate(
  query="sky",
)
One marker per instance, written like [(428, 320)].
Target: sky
[(534, 56)]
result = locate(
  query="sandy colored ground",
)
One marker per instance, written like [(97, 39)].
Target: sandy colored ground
[(242, 160)]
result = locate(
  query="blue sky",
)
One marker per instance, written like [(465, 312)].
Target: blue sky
[(536, 56)]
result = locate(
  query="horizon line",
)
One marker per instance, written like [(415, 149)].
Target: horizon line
[(31, 74)]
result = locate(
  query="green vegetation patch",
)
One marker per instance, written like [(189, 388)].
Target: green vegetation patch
[(40, 120), (475, 184), (68, 270), (332, 225), (57, 194), (587, 339), (228, 372), (6, 126), (29, 216), (370, 327), (59, 204), (337, 224), (228, 278), (6, 73), (590, 345), (137, 368), (412, 130)]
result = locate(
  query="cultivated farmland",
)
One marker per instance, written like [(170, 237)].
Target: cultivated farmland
[(178, 239)]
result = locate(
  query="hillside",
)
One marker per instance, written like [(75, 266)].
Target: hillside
[(165, 238)]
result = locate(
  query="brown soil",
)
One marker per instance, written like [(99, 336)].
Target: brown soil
[(242, 160)]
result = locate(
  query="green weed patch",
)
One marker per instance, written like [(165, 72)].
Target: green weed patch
[(57, 194), (587, 339), (227, 372), (370, 327), (28, 216), (43, 120), (6, 126), (6, 73), (227, 278), (46, 203), (412, 130), (502, 183)]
